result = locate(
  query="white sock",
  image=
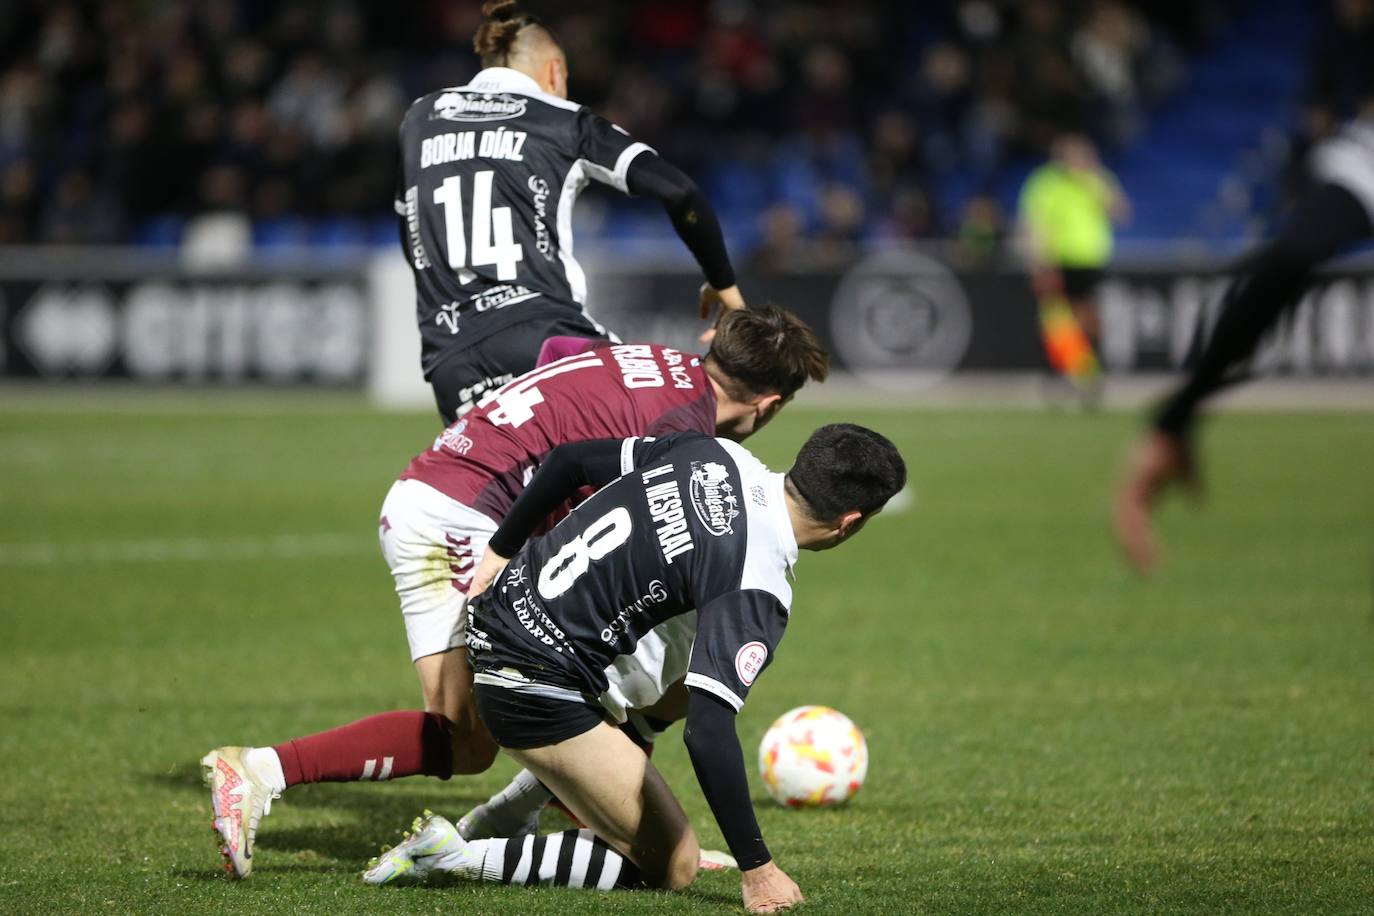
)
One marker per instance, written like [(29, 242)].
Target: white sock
[(525, 786), (509, 810), (266, 767)]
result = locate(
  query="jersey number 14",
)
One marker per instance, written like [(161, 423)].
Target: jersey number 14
[(492, 239)]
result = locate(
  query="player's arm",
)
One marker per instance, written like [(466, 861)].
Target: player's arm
[(736, 637), (567, 469), (634, 168), (693, 219)]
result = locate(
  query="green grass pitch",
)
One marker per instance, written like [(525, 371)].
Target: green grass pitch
[(1048, 734)]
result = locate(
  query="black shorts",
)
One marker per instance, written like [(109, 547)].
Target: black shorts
[(460, 380), (1080, 282), (519, 720)]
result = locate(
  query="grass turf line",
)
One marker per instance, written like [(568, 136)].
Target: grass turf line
[(1048, 734)]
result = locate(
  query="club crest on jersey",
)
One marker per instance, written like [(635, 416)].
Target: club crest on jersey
[(713, 497), (462, 106)]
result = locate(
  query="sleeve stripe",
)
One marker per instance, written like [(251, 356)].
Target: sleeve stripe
[(615, 177), (715, 687), (628, 155), (627, 455)]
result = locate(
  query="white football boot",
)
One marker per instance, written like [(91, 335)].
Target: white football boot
[(429, 837), (239, 800)]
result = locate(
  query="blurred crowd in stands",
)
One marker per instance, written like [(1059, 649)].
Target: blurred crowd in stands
[(831, 122)]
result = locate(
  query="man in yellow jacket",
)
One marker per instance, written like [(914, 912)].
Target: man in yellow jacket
[(1067, 209)]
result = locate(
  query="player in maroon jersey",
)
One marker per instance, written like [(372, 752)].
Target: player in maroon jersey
[(439, 514)]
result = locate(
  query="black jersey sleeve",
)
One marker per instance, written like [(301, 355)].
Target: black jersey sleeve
[(606, 150), (737, 634), (691, 213), (713, 745), (567, 469)]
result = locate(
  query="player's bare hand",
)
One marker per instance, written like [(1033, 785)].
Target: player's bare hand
[(767, 889), (486, 573), (723, 300), (1158, 461)]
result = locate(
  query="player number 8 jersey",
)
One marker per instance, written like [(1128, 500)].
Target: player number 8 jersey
[(678, 568)]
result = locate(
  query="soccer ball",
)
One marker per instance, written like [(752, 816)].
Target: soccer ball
[(813, 756)]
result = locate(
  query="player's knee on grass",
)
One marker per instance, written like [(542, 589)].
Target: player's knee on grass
[(683, 864)]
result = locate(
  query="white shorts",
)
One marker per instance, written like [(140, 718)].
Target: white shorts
[(432, 545)]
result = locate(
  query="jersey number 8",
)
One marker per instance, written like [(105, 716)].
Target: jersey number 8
[(492, 239), (567, 566)]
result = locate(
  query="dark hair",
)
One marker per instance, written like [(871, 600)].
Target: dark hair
[(501, 24), (765, 350), (843, 468)]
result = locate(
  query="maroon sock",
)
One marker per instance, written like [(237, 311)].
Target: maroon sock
[(385, 746)]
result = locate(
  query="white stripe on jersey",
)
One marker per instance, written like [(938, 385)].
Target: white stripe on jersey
[(627, 455), (573, 183), (713, 686), (557, 367), (616, 177)]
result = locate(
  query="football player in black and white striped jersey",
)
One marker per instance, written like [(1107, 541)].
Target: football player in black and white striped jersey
[(1335, 214), (489, 175)]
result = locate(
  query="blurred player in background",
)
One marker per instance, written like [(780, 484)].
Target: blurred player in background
[(438, 516), (490, 172), (1067, 209), (691, 551), (1336, 213)]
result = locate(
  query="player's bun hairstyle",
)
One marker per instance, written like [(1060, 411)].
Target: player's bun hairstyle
[(767, 350), (501, 24), (843, 468)]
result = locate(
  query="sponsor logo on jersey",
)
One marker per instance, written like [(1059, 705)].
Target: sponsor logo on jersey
[(656, 594), (418, 256), (540, 625), (453, 439), (497, 297), (516, 578), (539, 196), (665, 507), (759, 495), (713, 497), (749, 661), (478, 106)]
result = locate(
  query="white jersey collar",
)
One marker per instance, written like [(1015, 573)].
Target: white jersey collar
[(504, 79)]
